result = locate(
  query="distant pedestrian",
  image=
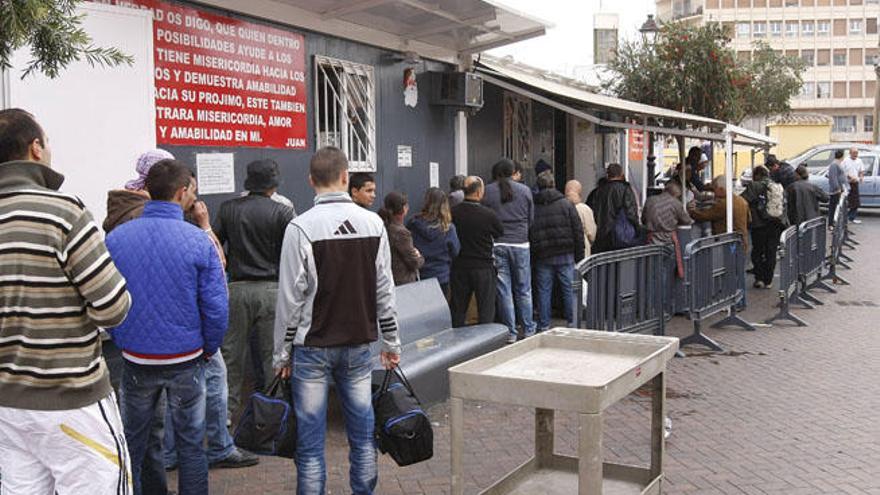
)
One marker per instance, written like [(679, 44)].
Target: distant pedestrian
[(717, 212), (362, 189), (838, 183), (336, 297), (556, 238), (574, 193), (60, 287), (473, 271), (406, 260), (513, 204), (663, 214), (456, 190), (435, 237), (803, 198), (765, 227), (128, 203), (252, 230), (855, 175), (614, 203), (178, 319)]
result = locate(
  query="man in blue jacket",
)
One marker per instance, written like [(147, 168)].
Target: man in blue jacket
[(178, 319)]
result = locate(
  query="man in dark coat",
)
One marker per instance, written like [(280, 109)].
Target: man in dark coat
[(557, 241), (803, 198), (612, 197), (780, 172)]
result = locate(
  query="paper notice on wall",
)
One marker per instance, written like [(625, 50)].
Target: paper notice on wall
[(404, 156), (216, 172), (434, 174)]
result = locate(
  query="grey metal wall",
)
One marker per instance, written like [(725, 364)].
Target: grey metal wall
[(486, 133), (428, 129)]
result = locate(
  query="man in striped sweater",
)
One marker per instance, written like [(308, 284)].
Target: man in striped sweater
[(60, 429)]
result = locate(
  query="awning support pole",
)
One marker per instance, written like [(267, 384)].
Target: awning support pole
[(728, 178)]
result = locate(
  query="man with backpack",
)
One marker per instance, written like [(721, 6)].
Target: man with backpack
[(767, 202), (617, 214)]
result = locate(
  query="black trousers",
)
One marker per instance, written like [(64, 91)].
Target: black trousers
[(833, 200), (765, 242), (464, 282)]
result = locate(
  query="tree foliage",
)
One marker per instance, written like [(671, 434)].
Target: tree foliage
[(694, 70), (52, 29)]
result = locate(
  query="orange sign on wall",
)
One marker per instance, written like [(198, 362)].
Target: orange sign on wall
[(636, 145)]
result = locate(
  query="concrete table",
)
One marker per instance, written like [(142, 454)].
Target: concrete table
[(564, 369)]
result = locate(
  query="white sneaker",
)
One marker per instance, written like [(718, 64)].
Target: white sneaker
[(856, 221), (511, 339)]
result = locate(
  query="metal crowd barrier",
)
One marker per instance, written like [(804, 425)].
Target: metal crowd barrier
[(715, 280), (788, 275), (812, 255), (626, 290), (838, 258)]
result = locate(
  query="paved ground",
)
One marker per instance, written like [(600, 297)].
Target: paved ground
[(784, 411)]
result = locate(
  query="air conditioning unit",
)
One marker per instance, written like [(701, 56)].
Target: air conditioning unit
[(457, 89)]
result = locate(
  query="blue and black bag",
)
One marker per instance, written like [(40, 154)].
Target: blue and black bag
[(268, 424), (403, 430)]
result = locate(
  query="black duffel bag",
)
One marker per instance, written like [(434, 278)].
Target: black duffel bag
[(403, 430), (268, 425)]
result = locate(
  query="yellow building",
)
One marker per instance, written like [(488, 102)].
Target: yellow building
[(798, 132)]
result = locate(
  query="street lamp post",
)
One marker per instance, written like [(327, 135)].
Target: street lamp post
[(876, 136), (649, 32)]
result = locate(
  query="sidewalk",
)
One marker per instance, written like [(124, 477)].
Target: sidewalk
[(785, 411)]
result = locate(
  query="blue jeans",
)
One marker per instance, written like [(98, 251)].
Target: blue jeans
[(220, 444), (514, 288), (545, 275), (350, 368), (184, 386)]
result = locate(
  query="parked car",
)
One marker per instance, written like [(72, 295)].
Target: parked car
[(817, 158), (869, 190)]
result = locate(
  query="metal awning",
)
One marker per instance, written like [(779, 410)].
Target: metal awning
[(446, 31), (573, 98)]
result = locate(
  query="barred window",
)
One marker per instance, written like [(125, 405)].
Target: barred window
[(345, 110)]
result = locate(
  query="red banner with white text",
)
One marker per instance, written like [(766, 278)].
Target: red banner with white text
[(225, 82)]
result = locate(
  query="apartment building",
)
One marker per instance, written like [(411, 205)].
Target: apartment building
[(838, 39)]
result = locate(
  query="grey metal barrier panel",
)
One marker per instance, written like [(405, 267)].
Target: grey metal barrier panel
[(625, 290), (837, 257), (788, 264), (715, 275), (812, 258)]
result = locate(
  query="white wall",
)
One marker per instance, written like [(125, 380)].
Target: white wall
[(98, 120)]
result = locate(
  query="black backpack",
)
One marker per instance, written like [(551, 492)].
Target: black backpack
[(268, 425), (403, 430)]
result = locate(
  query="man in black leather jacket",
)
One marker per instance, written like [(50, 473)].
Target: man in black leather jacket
[(608, 199), (252, 229)]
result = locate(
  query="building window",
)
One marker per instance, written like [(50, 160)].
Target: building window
[(839, 27), (855, 89), (808, 28), (839, 88), (871, 25), (809, 57), (840, 57), (823, 28), (855, 26), (823, 58), (345, 113), (808, 90), (823, 89), (868, 123), (791, 29), (870, 55), (844, 123), (760, 30), (743, 29), (792, 3), (855, 56), (775, 28)]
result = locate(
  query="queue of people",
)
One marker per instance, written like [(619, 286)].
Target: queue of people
[(192, 303)]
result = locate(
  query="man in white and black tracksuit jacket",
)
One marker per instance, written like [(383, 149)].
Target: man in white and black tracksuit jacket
[(335, 297)]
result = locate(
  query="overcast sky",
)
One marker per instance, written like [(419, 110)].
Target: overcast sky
[(569, 44)]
